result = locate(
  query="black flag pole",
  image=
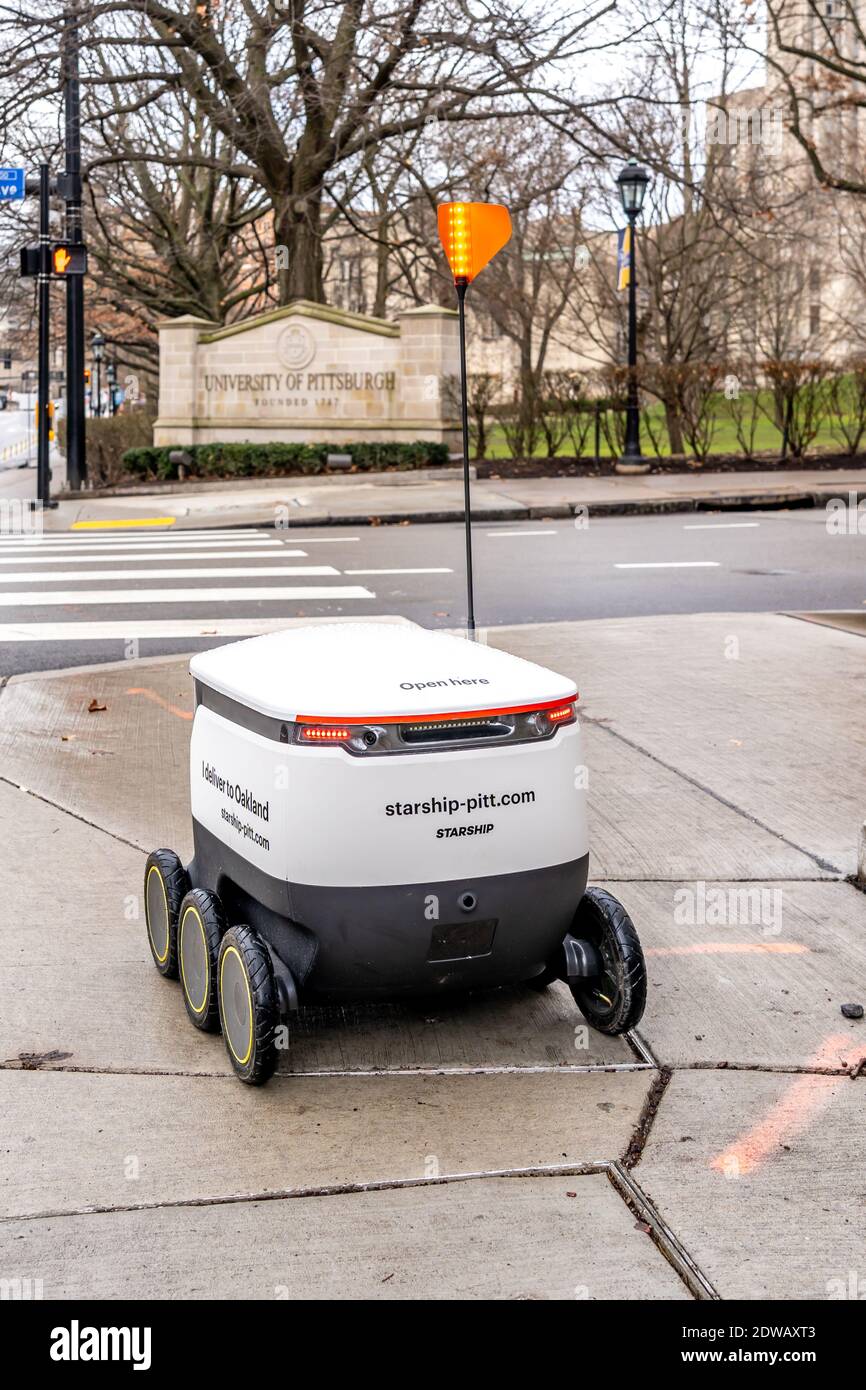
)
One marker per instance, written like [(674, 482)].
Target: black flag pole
[(462, 286)]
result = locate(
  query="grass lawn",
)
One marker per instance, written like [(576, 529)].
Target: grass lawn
[(766, 439)]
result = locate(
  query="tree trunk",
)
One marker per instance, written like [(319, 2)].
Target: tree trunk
[(297, 227), (675, 428), (380, 303)]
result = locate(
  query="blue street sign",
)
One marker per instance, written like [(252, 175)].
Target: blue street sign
[(11, 184)]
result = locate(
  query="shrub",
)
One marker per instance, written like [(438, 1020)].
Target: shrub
[(742, 403), (482, 390), (108, 439), (800, 400), (275, 459), (847, 404), (567, 411)]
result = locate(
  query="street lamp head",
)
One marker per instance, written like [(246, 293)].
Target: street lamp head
[(632, 181), (97, 344)]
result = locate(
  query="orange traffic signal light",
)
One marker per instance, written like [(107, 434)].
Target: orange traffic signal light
[(471, 234), (68, 258), (50, 413), (86, 376)]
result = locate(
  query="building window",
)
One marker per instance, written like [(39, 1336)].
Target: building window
[(6, 359), (815, 279), (814, 319), (352, 284)]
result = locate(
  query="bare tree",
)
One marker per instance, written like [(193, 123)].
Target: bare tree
[(297, 93)]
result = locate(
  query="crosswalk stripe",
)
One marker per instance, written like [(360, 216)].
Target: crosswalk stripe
[(197, 572), (407, 571), (16, 543), (47, 569), (25, 553), (133, 558), (108, 597), (235, 533), (146, 629)]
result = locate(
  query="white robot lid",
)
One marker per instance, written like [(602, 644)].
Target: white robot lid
[(369, 671)]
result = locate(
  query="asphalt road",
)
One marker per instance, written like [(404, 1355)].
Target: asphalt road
[(80, 598)]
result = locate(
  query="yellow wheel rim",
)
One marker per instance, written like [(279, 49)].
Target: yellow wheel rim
[(164, 957), (232, 951), (196, 1008)]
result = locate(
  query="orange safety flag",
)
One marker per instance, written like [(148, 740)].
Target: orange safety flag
[(471, 234)]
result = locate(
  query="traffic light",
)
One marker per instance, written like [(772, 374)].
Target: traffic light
[(68, 258), (87, 377), (65, 258), (50, 420)]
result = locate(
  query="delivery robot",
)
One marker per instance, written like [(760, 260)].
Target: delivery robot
[(381, 812)]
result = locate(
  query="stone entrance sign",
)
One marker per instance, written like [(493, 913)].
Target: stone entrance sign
[(308, 374)]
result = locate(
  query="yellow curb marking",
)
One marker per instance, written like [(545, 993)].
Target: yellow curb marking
[(137, 521)]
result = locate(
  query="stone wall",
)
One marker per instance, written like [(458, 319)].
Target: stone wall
[(308, 373)]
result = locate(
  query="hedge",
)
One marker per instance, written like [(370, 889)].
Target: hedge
[(108, 438), (275, 460)]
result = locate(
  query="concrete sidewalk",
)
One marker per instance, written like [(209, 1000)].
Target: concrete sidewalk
[(481, 1148), (358, 499)]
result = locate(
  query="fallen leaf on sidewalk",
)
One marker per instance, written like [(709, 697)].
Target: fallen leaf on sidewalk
[(95, 707), (32, 1061)]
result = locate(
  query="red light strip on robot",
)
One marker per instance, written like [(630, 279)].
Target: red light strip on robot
[(326, 734), (559, 716), (556, 710)]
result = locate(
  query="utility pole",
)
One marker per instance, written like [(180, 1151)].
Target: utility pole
[(43, 282), (76, 458)]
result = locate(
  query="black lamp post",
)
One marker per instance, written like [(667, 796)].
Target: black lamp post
[(632, 182), (97, 347), (111, 378)]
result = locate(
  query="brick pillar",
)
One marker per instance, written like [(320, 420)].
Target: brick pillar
[(178, 370), (429, 354)]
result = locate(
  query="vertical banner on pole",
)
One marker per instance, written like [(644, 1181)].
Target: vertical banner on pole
[(623, 257)]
